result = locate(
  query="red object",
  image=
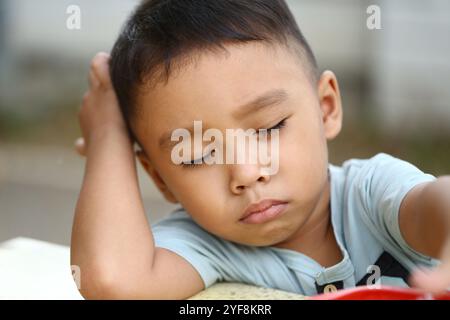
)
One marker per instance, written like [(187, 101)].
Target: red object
[(381, 293)]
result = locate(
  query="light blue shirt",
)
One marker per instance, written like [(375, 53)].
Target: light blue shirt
[(365, 201)]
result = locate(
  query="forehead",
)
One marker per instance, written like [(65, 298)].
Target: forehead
[(211, 88)]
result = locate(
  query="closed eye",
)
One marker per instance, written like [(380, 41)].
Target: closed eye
[(279, 125), (197, 162)]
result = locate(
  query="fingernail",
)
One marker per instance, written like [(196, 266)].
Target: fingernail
[(79, 141)]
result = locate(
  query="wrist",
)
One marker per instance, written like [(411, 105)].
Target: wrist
[(108, 132)]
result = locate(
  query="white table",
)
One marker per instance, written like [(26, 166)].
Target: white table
[(34, 269)]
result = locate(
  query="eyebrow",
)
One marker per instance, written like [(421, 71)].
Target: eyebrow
[(264, 101)]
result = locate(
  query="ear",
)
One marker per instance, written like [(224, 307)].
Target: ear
[(159, 182), (330, 104)]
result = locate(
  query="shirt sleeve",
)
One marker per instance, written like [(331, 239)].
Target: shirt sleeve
[(180, 234), (214, 258), (383, 182)]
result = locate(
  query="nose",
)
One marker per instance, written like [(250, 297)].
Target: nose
[(245, 176)]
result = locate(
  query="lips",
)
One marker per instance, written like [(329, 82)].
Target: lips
[(263, 211)]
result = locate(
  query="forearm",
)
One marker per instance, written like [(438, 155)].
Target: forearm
[(427, 225), (111, 236)]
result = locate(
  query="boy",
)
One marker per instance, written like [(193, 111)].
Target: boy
[(310, 227)]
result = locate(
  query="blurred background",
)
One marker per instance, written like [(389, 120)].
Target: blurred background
[(394, 83)]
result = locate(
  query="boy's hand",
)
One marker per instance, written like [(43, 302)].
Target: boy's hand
[(100, 109), (433, 233), (437, 280)]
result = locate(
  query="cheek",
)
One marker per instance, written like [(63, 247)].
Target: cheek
[(303, 138), (200, 192), (304, 158), (207, 207)]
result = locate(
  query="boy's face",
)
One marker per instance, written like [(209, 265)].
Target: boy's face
[(213, 90)]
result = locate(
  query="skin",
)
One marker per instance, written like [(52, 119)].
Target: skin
[(199, 94), (216, 195)]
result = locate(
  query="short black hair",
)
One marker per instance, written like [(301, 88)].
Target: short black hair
[(160, 31)]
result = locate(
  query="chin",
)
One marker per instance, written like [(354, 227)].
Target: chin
[(255, 242), (264, 241)]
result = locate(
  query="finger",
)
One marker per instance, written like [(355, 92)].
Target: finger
[(435, 280), (94, 82), (432, 281), (80, 147), (100, 67)]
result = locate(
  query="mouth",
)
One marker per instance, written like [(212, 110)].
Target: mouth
[(263, 211)]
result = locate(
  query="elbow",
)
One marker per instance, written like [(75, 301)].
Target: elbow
[(98, 284), (100, 289), (101, 284)]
